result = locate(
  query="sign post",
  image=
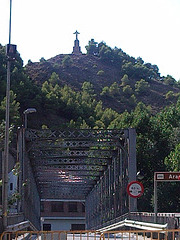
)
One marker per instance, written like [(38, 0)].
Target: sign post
[(163, 177), (155, 200)]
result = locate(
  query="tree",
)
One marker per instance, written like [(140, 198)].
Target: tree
[(169, 80), (123, 120), (92, 48), (99, 125), (105, 92), (141, 86), (99, 110), (170, 95), (100, 73), (172, 161), (29, 62), (137, 70), (84, 125), (3, 62), (114, 89), (108, 116), (13, 109), (54, 79), (88, 87), (2, 133), (125, 80), (42, 60), (106, 53), (52, 97), (127, 90), (132, 100), (139, 60)]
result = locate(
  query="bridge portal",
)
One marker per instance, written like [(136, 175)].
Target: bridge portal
[(94, 166)]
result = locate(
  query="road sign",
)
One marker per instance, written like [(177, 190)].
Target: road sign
[(135, 189), (163, 177), (167, 176)]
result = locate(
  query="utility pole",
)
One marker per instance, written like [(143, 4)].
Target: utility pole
[(10, 52)]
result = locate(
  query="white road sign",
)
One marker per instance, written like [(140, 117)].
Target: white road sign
[(135, 189)]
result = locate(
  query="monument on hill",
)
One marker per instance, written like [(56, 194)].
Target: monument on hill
[(76, 48)]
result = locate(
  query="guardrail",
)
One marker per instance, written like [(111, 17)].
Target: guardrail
[(172, 219), (13, 218), (20, 226), (93, 235), (134, 224)]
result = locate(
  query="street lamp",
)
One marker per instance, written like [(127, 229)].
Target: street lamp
[(11, 54), (140, 175), (26, 112)]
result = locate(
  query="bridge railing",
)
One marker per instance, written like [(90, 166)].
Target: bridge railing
[(172, 219), (17, 222), (12, 219)]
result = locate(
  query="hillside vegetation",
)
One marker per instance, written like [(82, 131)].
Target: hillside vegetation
[(105, 88)]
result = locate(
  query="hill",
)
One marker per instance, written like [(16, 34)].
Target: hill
[(90, 68)]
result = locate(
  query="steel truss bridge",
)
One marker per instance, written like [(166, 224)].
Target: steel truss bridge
[(91, 165)]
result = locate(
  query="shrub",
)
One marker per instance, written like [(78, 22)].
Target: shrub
[(141, 86), (125, 80), (169, 95), (100, 73), (127, 90)]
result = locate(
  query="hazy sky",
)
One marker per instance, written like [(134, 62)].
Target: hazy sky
[(146, 28)]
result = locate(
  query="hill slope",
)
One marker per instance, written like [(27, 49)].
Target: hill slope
[(101, 74)]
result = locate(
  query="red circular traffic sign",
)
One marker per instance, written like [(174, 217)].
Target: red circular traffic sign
[(135, 189)]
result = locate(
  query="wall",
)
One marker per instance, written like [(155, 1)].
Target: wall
[(61, 224)]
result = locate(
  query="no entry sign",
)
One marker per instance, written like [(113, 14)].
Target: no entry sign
[(135, 189)]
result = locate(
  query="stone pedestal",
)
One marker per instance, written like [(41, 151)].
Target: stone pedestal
[(76, 48)]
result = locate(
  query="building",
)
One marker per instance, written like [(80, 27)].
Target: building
[(62, 215)]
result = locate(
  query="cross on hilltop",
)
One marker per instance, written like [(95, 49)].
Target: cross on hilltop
[(76, 32), (76, 48)]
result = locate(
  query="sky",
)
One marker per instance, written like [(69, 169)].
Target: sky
[(149, 29)]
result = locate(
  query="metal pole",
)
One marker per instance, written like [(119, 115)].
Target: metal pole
[(6, 151), (10, 22), (25, 120), (6, 144), (155, 200), (132, 169)]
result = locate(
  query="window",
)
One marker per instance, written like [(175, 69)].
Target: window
[(42, 206), (46, 227), (77, 227), (83, 207), (11, 186), (72, 207), (57, 207)]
